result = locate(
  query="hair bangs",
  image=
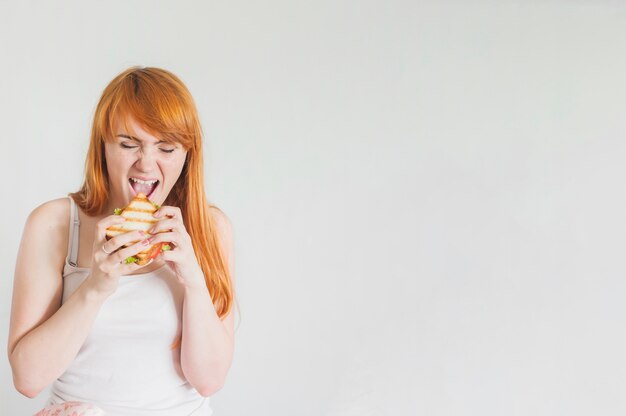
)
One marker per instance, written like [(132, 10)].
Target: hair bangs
[(157, 104)]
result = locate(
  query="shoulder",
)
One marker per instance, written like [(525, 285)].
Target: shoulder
[(224, 229), (221, 221), (51, 215), (52, 209), (49, 222)]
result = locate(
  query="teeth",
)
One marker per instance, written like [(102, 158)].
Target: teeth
[(144, 182)]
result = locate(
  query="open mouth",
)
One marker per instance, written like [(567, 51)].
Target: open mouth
[(144, 187)]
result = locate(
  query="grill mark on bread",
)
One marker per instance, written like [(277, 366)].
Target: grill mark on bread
[(147, 211)]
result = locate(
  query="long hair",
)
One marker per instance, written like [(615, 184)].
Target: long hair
[(162, 105)]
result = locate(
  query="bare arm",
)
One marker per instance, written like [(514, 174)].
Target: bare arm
[(43, 354), (208, 342), (44, 337)]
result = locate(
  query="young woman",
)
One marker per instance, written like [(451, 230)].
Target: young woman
[(120, 338)]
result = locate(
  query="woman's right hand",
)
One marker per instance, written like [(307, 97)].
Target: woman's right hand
[(107, 264)]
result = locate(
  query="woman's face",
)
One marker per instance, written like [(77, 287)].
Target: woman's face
[(139, 162)]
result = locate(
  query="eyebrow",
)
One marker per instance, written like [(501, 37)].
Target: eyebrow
[(136, 139)]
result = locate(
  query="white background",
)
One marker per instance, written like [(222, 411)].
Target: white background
[(427, 197)]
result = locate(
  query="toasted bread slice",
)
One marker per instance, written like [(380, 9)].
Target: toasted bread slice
[(138, 215)]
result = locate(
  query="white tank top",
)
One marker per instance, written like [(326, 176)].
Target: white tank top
[(126, 365)]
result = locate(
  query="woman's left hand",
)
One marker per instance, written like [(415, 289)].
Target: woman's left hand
[(181, 257)]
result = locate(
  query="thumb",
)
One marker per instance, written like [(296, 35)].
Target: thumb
[(105, 223)]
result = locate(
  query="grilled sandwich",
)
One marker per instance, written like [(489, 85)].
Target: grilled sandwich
[(138, 215)]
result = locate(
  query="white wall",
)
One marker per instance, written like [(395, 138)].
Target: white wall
[(427, 196)]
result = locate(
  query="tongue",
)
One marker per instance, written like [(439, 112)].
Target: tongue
[(142, 188)]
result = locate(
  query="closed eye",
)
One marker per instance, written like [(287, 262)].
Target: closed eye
[(125, 146)]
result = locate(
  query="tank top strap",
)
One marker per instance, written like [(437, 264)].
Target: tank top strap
[(72, 243)]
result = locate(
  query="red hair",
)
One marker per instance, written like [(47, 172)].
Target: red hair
[(158, 101)]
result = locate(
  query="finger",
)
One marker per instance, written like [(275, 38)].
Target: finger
[(121, 240), (124, 268), (123, 254), (170, 211), (165, 225), (105, 223), (171, 238), (170, 255)]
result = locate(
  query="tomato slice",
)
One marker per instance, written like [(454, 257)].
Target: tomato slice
[(156, 249)]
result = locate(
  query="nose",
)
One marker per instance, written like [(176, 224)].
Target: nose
[(146, 160)]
